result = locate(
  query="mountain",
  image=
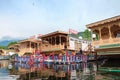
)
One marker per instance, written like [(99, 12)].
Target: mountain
[(4, 41)]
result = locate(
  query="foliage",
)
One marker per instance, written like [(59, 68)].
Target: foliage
[(97, 37), (86, 34), (11, 43), (74, 35), (6, 47), (3, 47), (80, 34)]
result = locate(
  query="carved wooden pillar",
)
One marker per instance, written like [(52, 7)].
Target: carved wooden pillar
[(100, 34), (110, 32), (51, 42), (60, 40), (38, 46), (30, 46), (55, 40)]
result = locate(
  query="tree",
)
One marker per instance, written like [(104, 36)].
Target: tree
[(87, 34), (12, 43), (3, 47)]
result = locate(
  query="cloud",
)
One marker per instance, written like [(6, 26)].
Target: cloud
[(28, 17)]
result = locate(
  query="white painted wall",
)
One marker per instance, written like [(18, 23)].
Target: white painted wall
[(84, 43)]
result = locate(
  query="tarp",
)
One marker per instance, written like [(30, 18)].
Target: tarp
[(11, 53)]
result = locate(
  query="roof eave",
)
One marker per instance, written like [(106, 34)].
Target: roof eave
[(103, 21)]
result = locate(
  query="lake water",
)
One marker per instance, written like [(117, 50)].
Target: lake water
[(101, 70)]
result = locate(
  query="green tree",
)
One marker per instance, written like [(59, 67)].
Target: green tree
[(3, 47), (11, 43), (86, 34)]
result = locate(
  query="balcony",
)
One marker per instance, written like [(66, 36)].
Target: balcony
[(116, 40), (47, 48), (23, 50), (106, 42)]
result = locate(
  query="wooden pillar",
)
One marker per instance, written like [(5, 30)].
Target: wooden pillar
[(38, 46), (59, 41), (110, 32), (30, 46), (55, 39), (67, 41), (34, 48), (100, 33), (51, 42)]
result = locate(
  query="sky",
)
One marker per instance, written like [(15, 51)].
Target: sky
[(24, 18)]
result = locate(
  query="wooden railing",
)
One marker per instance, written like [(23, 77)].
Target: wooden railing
[(52, 47), (106, 41), (23, 50), (96, 42), (116, 40)]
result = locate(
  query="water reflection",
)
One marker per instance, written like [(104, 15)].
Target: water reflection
[(4, 71), (54, 71), (50, 71), (3, 68)]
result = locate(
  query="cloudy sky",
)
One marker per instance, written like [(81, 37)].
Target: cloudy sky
[(24, 18)]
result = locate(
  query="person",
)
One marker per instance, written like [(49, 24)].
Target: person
[(81, 52)]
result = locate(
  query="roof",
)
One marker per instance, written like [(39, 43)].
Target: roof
[(30, 40), (54, 33), (14, 45), (103, 21)]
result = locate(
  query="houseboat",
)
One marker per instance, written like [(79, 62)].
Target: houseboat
[(106, 37)]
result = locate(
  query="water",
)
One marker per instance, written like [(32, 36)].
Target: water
[(101, 70)]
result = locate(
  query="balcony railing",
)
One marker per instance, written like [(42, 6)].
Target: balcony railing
[(116, 40), (23, 50), (106, 41), (96, 42), (52, 47)]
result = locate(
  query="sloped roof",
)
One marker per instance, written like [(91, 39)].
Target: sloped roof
[(53, 33), (14, 45), (103, 21), (30, 40)]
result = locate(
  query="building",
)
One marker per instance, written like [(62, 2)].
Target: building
[(26, 46), (2, 52), (74, 43), (57, 42), (14, 48), (30, 45), (77, 43), (106, 36)]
